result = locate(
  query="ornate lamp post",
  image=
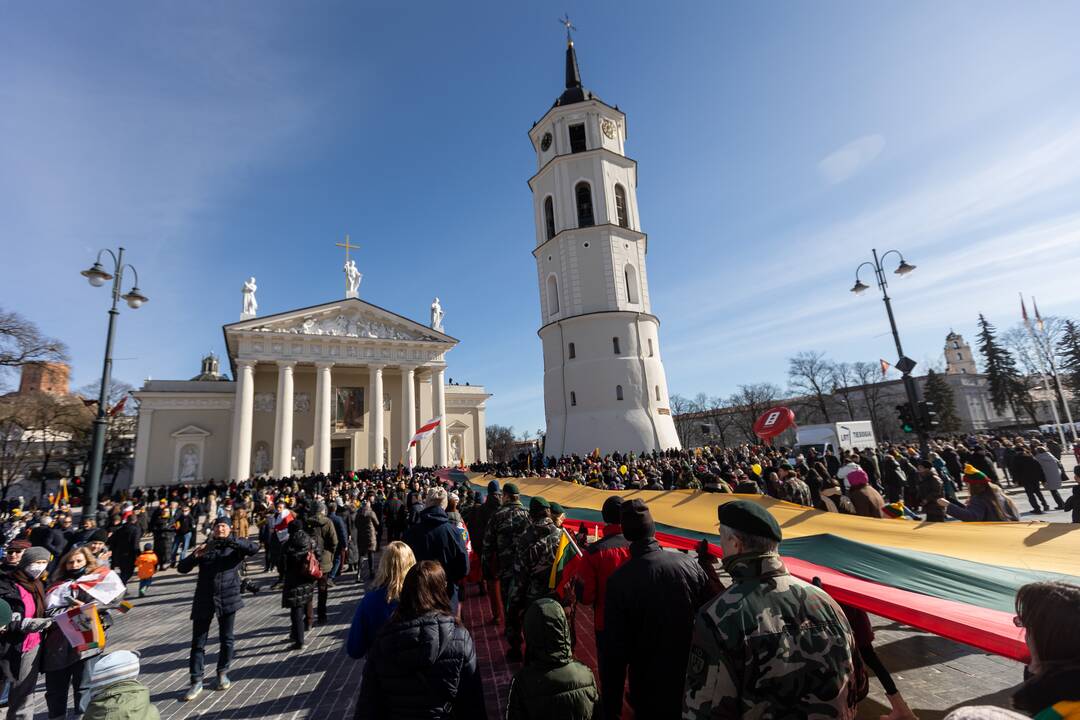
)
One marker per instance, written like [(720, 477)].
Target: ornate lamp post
[(905, 365), (98, 276)]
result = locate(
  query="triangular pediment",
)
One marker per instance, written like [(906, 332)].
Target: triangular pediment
[(191, 431), (350, 318)]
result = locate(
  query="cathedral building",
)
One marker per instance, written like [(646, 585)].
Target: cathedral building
[(604, 382)]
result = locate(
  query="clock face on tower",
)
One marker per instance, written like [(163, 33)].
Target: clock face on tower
[(609, 129), (545, 143)]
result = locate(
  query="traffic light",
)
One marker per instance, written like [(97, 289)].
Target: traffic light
[(928, 415), (906, 417)]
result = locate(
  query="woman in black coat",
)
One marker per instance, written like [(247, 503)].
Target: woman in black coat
[(299, 586), (423, 663)]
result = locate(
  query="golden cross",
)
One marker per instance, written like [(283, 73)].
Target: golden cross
[(347, 247)]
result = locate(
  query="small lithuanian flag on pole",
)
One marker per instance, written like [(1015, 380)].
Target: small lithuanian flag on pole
[(564, 554)]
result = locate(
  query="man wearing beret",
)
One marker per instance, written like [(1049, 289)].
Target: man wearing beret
[(536, 555), (770, 645), (649, 607), (501, 541)]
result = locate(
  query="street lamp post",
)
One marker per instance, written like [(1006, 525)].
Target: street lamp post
[(98, 276), (905, 365)]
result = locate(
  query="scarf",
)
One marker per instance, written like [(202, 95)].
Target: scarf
[(34, 587)]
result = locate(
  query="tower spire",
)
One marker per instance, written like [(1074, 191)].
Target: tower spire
[(573, 75)]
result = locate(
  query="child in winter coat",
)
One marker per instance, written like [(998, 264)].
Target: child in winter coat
[(551, 684), (116, 691), (146, 565)]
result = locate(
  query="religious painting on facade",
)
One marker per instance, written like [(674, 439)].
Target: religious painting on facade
[(349, 408)]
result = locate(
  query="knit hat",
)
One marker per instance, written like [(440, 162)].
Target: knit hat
[(974, 476), (556, 509), (34, 554), (612, 509), (538, 505), (857, 478), (493, 486), (112, 668), (510, 489), (750, 518), (98, 536), (222, 520), (637, 521)]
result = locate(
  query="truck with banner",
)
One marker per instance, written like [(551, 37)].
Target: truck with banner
[(839, 436)]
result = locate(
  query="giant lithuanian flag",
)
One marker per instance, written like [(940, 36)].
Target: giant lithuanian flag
[(954, 579)]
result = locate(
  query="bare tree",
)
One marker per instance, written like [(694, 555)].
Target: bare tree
[(810, 375), (21, 342), (42, 431), (868, 376), (843, 380), (500, 442), (750, 401), (1034, 358)]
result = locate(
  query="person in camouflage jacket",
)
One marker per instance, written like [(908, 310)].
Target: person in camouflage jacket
[(501, 541), (536, 555), (770, 645)]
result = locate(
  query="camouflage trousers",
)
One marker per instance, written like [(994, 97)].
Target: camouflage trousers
[(512, 613)]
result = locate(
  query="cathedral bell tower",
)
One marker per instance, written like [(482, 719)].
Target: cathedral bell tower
[(604, 382)]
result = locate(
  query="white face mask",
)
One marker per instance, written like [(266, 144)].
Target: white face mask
[(36, 569)]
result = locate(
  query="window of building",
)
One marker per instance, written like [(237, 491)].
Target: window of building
[(615, 345), (630, 276), (618, 392), (583, 193), (657, 393), (620, 206), (577, 138), (650, 348), (553, 295), (573, 352), (549, 217), (573, 398), (956, 346), (959, 356)]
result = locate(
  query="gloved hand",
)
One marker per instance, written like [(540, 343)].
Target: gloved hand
[(32, 625)]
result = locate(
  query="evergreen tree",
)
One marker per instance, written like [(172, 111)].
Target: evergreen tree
[(939, 392), (1068, 351), (1007, 387)]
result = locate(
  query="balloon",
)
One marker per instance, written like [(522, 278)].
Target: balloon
[(756, 468), (773, 422), (622, 469)]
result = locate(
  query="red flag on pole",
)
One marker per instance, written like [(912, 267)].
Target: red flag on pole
[(118, 407), (1038, 318), (1023, 309), (884, 367)]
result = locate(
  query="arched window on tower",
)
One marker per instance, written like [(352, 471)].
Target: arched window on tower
[(553, 295), (572, 351), (549, 217), (657, 393), (583, 193), (650, 347), (573, 398), (630, 276), (620, 206), (615, 345), (618, 392)]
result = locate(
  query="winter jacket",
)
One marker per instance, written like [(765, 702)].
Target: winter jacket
[(241, 525), (551, 684), (146, 564), (297, 589), (422, 669), (832, 500), (1056, 687), (980, 509), (648, 618), (340, 531), (1072, 503), (1051, 469), (433, 537), (50, 538), (124, 700), (348, 529), (479, 519), (124, 544), (367, 530), (217, 590), (867, 501), (324, 535), (370, 615), (1027, 471), (601, 559)]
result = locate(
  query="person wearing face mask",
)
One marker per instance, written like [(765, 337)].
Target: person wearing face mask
[(20, 641), (63, 666), (758, 610)]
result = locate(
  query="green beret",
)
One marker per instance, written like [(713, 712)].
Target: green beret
[(556, 509), (537, 504), (510, 489), (750, 518)]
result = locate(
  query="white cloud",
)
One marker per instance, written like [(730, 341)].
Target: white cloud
[(850, 159)]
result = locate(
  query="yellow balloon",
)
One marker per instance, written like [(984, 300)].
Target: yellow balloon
[(622, 469), (756, 468)]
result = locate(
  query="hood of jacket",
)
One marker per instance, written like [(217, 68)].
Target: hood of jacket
[(433, 517), (415, 645), (1054, 684), (547, 635)]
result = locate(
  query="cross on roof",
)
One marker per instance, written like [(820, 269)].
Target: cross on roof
[(347, 247), (565, 21)]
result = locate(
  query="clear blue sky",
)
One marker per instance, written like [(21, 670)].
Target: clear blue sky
[(778, 142)]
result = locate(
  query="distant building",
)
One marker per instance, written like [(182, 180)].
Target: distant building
[(959, 360), (51, 378)]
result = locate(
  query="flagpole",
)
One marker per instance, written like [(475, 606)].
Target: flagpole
[(1042, 373), (1054, 373)]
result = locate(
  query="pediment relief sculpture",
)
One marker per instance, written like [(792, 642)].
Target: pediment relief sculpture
[(342, 325)]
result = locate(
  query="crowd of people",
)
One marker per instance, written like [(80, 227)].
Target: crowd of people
[(675, 635)]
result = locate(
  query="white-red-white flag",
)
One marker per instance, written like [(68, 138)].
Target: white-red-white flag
[(426, 430)]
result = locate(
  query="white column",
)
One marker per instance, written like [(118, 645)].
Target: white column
[(438, 408), (240, 468), (376, 430), (283, 434), (322, 417), (142, 446), (408, 410)]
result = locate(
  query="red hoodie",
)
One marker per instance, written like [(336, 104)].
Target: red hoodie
[(601, 559)]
